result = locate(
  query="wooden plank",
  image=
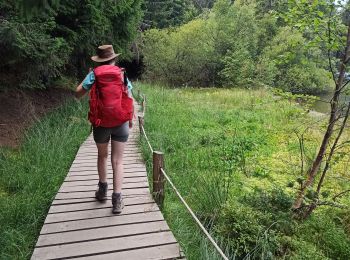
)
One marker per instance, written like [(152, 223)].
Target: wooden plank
[(92, 147), (92, 198), (94, 187), (109, 180), (126, 164), (92, 171), (126, 172), (129, 144), (85, 167), (98, 213), (94, 204), (94, 162), (82, 194), (94, 153), (93, 150), (170, 251), (102, 233), (89, 171), (105, 245), (125, 159), (82, 177), (102, 222)]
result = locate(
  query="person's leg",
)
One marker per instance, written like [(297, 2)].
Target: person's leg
[(117, 165), (101, 137), (119, 137), (102, 157)]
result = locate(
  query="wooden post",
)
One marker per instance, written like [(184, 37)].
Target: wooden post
[(138, 95), (158, 178), (141, 124), (144, 105)]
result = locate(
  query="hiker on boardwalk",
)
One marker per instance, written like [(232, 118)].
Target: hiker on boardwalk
[(111, 113)]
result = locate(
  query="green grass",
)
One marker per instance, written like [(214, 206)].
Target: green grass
[(234, 156), (31, 176)]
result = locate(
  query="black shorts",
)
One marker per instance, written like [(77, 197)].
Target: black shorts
[(118, 133)]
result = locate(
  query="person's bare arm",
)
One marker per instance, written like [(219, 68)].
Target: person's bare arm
[(80, 91), (131, 122)]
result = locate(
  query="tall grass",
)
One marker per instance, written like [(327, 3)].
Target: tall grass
[(233, 154), (31, 176)]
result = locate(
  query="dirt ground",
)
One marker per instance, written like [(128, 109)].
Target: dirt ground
[(18, 110)]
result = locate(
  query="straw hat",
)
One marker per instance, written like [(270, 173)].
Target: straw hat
[(104, 53)]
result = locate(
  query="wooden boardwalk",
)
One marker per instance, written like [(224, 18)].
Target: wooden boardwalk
[(78, 226)]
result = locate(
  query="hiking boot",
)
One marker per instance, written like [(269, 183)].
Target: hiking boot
[(117, 202), (101, 193)]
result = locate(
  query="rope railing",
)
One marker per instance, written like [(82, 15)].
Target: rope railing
[(158, 181), (194, 216), (147, 140)]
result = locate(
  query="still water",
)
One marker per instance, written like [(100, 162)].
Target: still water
[(323, 105)]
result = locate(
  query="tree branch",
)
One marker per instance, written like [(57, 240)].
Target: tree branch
[(340, 194)]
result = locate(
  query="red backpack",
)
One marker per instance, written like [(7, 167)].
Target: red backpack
[(110, 104)]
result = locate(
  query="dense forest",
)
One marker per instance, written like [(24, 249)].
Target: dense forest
[(239, 79), (240, 44), (184, 43), (46, 41)]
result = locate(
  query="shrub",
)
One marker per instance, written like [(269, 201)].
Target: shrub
[(195, 53), (181, 56), (293, 67), (242, 226), (238, 69), (331, 239), (306, 79)]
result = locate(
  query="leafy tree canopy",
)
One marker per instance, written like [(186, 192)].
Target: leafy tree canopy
[(60, 35)]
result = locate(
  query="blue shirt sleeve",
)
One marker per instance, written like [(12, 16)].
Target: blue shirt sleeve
[(129, 87), (89, 80), (129, 84)]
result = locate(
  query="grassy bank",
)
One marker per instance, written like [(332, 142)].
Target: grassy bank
[(234, 155), (31, 176)]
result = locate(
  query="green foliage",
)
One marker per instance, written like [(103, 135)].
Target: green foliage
[(166, 13), (305, 250), (239, 69), (30, 8), (292, 67), (232, 156), (242, 226), (31, 176), (306, 79), (62, 38), (194, 53), (233, 46), (180, 57), (27, 48), (236, 53), (266, 6), (320, 20), (331, 239)]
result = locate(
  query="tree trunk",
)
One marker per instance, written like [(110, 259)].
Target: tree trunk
[(312, 172)]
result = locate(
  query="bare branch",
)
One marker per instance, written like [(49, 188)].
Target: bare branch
[(340, 194), (332, 204)]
